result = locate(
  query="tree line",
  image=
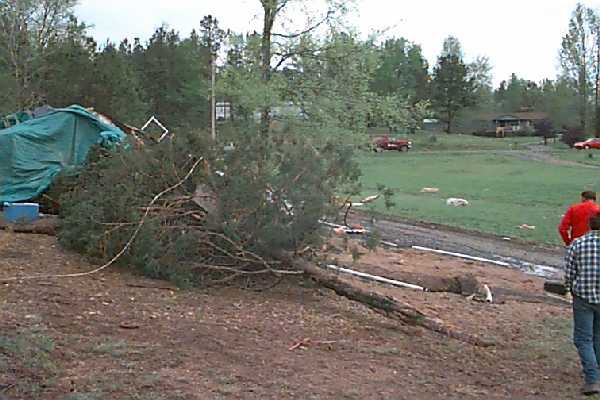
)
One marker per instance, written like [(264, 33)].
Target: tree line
[(338, 80)]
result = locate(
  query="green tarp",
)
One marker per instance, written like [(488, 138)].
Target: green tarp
[(34, 152)]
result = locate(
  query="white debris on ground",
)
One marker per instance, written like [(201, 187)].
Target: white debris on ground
[(525, 226), (456, 202)]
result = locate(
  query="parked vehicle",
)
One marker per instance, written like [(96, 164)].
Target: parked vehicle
[(593, 143), (388, 143)]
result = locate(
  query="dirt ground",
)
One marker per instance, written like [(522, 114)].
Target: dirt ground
[(116, 335)]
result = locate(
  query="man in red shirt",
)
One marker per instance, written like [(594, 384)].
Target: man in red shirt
[(575, 222)]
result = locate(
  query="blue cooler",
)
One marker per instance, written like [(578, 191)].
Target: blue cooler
[(21, 213)]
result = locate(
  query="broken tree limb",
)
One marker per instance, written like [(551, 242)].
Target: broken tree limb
[(388, 306)]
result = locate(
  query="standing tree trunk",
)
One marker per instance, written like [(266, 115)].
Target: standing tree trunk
[(583, 90), (449, 118), (270, 8), (213, 104), (597, 87)]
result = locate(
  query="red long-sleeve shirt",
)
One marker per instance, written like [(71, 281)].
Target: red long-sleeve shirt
[(575, 223)]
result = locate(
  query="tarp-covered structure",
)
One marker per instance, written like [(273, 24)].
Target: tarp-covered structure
[(34, 152)]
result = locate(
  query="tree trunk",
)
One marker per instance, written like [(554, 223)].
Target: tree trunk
[(449, 122), (583, 85), (388, 306), (213, 104), (270, 8), (597, 88)]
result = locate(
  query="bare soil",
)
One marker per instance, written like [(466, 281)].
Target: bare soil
[(116, 335)]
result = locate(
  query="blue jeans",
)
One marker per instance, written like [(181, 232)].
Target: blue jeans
[(586, 337)]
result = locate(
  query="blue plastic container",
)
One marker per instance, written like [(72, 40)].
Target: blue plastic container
[(21, 213)]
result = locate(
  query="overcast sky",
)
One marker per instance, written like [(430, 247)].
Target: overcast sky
[(521, 36)]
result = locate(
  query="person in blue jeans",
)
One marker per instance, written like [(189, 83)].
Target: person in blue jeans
[(582, 278)]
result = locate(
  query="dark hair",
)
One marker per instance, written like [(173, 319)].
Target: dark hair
[(595, 222), (588, 195)]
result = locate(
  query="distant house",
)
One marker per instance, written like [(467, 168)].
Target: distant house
[(509, 122), (431, 124), (518, 121), (223, 111)]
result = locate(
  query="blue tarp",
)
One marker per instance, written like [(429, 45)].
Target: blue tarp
[(34, 152)]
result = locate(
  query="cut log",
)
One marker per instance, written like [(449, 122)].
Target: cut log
[(386, 305), (556, 287), (43, 226)]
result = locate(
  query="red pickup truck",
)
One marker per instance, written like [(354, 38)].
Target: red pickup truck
[(388, 143)]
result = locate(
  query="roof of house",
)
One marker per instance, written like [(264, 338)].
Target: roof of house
[(530, 115), (533, 116)]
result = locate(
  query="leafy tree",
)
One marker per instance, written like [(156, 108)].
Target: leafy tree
[(518, 94), (545, 129), (452, 88), (26, 29), (452, 47), (116, 87), (559, 100), (68, 70), (480, 73), (579, 57), (401, 70), (212, 39), (395, 113), (174, 77)]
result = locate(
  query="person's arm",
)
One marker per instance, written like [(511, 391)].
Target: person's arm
[(570, 268), (565, 227)]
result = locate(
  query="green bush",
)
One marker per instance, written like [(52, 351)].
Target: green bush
[(572, 136)]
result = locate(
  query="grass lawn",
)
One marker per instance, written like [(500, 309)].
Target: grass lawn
[(425, 141), (504, 192), (581, 156)]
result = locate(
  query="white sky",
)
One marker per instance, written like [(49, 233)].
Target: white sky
[(521, 36)]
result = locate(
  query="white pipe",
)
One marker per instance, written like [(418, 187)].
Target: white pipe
[(460, 255), (376, 278), (332, 225)]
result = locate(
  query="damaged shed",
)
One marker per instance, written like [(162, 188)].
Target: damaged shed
[(34, 152)]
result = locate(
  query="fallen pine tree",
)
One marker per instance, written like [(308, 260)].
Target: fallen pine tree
[(196, 214)]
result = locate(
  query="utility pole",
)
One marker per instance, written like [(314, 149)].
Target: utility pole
[(213, 104), (213, 37), (211, 49)]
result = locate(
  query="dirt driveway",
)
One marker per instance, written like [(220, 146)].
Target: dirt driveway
[(116, 335)]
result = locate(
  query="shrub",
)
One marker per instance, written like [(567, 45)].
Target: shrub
[(572, 136)]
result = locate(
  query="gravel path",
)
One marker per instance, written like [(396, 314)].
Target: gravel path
[(541, 260)]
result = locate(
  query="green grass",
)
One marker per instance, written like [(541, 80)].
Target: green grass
[(581, 156), (504, 192), (28, 353), (441, 141)]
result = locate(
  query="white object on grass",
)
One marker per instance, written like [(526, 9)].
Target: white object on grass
[(456, 202)]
